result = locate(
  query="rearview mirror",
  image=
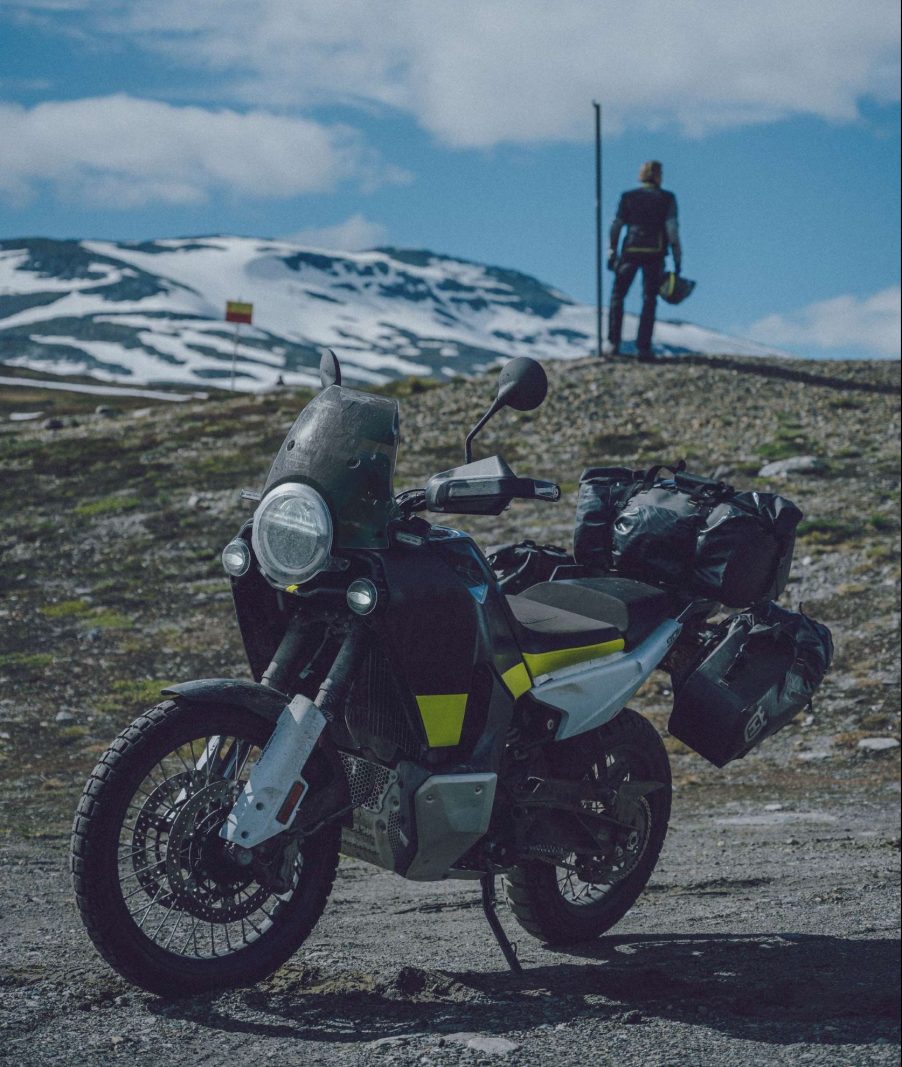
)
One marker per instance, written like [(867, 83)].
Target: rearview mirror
[(522, 384)]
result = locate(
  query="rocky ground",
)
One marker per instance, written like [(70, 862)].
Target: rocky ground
[(769, 933)]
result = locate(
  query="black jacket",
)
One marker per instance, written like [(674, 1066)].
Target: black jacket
[(650, 217)]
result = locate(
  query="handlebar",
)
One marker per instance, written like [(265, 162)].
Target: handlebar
[(480, 495)]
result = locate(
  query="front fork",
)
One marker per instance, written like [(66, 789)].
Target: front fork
[(276, 787)]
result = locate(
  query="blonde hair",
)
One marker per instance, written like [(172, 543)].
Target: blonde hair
[(651, 171)]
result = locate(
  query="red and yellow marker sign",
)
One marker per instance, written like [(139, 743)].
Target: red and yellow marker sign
[(238, 312)]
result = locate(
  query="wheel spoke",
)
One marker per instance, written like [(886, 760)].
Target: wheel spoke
[(178, 923)]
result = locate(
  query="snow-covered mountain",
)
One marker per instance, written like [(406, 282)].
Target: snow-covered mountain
[(152, 313)]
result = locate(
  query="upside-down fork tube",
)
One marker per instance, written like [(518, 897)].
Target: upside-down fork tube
[(276, 787), (286, 655), (337, 683)]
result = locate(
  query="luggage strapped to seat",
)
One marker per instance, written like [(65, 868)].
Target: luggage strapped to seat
[(691, 533), (603, 491), (519, 566)]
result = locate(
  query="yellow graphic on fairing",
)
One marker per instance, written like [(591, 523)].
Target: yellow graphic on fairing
[(443, 718), (517, 679), (543, 662)]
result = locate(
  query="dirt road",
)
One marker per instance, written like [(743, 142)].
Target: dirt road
[(768, 935)]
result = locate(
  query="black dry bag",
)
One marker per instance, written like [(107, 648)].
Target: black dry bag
[(602, 493), (744, 549), (755, 673), (654, 536)]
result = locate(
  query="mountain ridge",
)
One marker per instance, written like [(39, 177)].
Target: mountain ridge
[(151, 313)]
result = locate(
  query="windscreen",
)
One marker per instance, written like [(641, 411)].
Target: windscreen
[(344, 443)]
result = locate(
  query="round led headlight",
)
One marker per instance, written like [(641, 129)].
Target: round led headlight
[(292, 534)]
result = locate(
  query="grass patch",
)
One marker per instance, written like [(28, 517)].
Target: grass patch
[(110, 620), (75, 456), (828, 531), (38, 529), (24, 662), (128, 692), (65, 609), (402, 387), (883, 523), (834, 531), (613, 445), (73, 733), (877, 556), (108, 505), (790, 440)]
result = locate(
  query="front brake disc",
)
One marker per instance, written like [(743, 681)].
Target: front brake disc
[(204, 880)]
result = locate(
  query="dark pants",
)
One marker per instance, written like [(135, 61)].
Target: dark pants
[(652, 275)]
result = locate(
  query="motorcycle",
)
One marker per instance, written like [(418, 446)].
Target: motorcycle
[(405, 710)]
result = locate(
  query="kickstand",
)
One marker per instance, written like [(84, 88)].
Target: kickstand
[(487, 881)]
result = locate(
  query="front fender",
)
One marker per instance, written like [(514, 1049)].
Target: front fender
[(262, 700), (328, 786)]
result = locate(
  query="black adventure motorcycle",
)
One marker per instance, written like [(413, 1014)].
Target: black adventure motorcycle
[(405, 710)]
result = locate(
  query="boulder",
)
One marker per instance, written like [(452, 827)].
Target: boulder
[(878, 744), (784, 468)]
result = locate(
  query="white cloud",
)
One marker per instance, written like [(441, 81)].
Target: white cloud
[(871, 324), (352, 235), (479, 72), (121, 152)]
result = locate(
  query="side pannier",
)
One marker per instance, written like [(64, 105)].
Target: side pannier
[(755, 673)]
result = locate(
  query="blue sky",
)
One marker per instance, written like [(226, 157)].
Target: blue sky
[(467, 129)]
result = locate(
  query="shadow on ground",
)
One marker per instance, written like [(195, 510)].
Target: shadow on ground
[(785, 373), (780, 989)]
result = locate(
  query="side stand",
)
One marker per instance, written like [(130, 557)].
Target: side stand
[(488, 906)]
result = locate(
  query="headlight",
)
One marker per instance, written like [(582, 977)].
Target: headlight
[(292, 534)]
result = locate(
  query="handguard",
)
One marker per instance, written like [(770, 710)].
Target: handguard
[(275, 789)]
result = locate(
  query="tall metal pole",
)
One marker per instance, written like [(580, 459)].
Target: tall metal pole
[(598, 246), (235, 352)]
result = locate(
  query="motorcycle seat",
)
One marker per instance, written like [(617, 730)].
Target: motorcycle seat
[(542, 628), (633, 608)]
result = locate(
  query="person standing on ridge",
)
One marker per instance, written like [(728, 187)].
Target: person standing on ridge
[(649, 215)]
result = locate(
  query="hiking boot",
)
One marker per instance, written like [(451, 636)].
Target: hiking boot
[(645, 355)]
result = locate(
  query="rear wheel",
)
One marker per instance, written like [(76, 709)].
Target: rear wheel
[(582, 897), (159, 892)]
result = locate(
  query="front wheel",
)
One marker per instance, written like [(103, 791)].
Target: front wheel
[(581, 899), (161, 896)]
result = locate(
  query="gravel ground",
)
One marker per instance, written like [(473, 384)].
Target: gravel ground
[(769, 934)]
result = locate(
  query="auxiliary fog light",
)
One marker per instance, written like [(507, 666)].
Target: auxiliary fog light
[(362, 596), (236, 558)]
